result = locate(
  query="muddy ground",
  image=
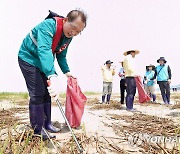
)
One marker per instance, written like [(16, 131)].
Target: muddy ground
[(152, 128)]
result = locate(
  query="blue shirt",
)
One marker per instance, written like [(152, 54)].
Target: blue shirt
[(122, 73)]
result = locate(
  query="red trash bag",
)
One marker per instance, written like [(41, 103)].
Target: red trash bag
[(143, 96), (75, 102)]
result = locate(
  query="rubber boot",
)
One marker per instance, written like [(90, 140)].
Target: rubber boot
[(168, 98), (48, 124), (150, 95), (129, 102), (103, 98), (46, 135), (122, 100), (164, 99), (108, 98), (154, 97), (36, 114)]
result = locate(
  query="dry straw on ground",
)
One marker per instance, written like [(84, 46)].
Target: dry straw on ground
[(115, 105), (145, 124)]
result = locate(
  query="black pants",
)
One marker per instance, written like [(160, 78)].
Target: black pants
[(36, 83), (130, 86), (122, 89), (165, 88)]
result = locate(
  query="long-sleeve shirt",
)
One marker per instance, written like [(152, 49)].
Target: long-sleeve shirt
[(128, 65), (107, 73), (41, 56)]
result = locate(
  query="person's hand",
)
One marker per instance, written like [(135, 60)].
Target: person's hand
[(53, 87), (68, 74), (169, 81)]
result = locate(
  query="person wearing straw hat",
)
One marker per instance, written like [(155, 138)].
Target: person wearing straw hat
[(148, 83), (108, 74), (122, 82), (163, 74), (130, 74)]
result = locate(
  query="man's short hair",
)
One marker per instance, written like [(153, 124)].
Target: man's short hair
[(74, 14)]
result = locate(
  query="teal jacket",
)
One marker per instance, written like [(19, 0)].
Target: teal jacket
[(149, 75), (41, 56), (163, 72)]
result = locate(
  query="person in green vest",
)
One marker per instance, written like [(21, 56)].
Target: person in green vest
[(36, 61), (149, 85), (163, 74)]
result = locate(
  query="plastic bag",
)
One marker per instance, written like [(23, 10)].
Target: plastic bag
[(143, 96), (75, 102)]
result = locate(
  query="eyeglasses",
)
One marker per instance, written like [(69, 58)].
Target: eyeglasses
[(74, 28)]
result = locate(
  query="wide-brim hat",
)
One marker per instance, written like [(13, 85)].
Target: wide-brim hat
[(108, 62), (161, 58), (150, 65), (127, 52)]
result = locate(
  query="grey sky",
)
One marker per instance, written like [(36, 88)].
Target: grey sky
[(151, 26)]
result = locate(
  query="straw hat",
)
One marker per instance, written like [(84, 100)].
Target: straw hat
[(127, 52)]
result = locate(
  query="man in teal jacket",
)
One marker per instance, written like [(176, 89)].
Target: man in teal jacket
[(163, 74), (36, 61)]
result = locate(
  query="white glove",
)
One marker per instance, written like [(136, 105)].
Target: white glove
[(145, 82), (53, 88), (68, 74)]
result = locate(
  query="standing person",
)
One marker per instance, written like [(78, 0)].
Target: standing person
[(163, 74), (36, 60), (122, 82), (130, 74), (149, 84), (108, 74)]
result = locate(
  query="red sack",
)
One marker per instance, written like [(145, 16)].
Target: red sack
[(75, 102), (143, 96)]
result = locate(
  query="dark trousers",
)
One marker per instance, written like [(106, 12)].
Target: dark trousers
[(165, 90), (122, 89), (36, 83), (130, 86), (131, 91)]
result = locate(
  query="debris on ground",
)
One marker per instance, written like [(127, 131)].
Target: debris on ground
[(141, 125), (129, 128), (112, 105), (92, 144), (176, 105)]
